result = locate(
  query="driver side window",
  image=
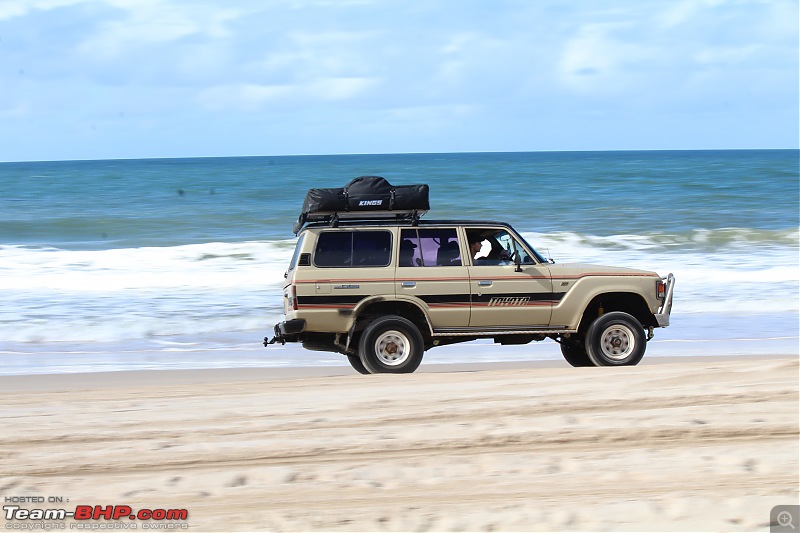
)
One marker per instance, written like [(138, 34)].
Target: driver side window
[(495, 247)]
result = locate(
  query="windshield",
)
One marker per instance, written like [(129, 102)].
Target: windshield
[(536, 254)]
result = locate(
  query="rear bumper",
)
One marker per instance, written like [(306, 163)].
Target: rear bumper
[(287, 331), (662, 317)]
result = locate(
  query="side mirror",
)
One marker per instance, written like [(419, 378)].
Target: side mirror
[(517, 262)]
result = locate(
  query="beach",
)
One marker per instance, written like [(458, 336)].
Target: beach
[(676, 443), (136, 294)]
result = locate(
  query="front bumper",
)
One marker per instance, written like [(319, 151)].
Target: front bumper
[(287, 331), (662, 317)]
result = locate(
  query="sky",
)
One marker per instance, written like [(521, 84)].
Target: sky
[(108, 79)]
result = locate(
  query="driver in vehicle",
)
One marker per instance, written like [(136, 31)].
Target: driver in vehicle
[(475, 246), (497, 255)]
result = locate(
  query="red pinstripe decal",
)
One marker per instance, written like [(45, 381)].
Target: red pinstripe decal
[(325, 306), (343, 280), (538, 303), (606, 275), (487, 278)]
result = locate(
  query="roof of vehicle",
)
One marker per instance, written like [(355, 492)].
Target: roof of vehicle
[(355, 223)]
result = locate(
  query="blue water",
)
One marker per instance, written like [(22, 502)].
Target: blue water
[(176, 256)]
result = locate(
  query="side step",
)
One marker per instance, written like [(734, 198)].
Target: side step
[(491, 332)]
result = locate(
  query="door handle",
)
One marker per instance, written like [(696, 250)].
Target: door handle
[(409, 284), (485, 283)]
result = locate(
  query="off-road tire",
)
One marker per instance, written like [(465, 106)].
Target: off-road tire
[(615, 339), (574, 352), (391, 345), (358, 366)]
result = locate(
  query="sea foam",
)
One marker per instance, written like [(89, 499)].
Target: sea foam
[(130, 293)]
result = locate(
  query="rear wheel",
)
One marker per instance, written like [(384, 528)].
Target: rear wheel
[(391, 345), (615, 339), (358, 366)]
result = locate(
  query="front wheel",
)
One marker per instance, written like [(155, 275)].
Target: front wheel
[(615, 339), (391, 345), (574, 352)]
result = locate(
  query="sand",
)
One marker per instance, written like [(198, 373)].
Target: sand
[(688, 444)]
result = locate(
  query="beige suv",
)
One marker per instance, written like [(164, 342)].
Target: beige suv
[(383, 292)]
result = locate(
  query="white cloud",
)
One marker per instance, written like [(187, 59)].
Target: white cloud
[(427, 115), (595, 62), (680, 55), (17, 8), (466, 57), (727, 55), (311, 54), (243, 97), (678, 13), (10, 10), (248, 97), (157, 22), (19, 110), (335, 89)]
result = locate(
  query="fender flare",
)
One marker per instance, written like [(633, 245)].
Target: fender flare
[(404, 300)]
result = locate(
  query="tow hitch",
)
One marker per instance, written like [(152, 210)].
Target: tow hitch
[(286, 332)]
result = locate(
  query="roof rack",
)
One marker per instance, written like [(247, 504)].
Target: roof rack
[(332, 218)]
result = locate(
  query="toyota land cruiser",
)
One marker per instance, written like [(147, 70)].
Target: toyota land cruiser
[(382, 287)]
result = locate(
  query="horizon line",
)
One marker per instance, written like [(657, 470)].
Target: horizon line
[(356, 154)]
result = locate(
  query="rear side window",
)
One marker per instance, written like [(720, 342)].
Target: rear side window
[(353, 249), (429, 247), (297, 249)]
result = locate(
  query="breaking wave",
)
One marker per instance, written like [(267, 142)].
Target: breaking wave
[(54, 295)]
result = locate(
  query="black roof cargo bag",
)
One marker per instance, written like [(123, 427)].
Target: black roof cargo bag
[(365, 197)]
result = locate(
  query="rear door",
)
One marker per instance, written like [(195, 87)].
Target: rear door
[(431, 270)]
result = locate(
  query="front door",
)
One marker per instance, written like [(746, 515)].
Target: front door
[(503, 295)]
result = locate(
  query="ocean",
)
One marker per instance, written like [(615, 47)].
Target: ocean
[(178, 263)]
